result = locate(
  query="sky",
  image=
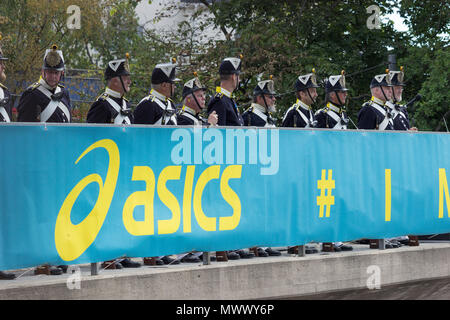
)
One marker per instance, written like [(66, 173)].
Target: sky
[(146, 12)]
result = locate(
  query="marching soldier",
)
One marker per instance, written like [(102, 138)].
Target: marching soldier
[(111, 106), (227, 111), (158, 108), (401, 122), (259, 114), (223, 103), (5, 116), (300, 115), (5, 96), (47, 100), (399, 112), (334, 115), (193, 104), (374, 114)]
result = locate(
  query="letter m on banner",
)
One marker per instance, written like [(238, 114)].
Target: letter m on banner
[(443, 189)]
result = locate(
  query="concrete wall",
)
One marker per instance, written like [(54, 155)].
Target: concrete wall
[(257, 278)]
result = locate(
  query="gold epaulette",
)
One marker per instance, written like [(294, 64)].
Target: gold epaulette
[(33, 86), (103, 96), (61, 86)]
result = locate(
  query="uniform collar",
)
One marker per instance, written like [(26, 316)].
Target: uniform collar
[(158, 95), (44, 83), (334, 108), (378, 101), (390, 105), (113, 93), (300, 103), (225, 92), (259, 107), (189, 110)]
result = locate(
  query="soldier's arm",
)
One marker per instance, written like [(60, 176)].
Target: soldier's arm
[(145, 113), (288, 120), (367, 119), (98, 113), (321, 118), (220, 111), (28, 109)]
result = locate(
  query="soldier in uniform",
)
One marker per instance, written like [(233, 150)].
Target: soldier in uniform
[(334, 116), (5, 96), (5, 116), (399, 113), (111, 106), (259, 114), (300, 115), (374, 114), (47, 100), (222, 103), (158, 108), (193, 104), (227, 111)]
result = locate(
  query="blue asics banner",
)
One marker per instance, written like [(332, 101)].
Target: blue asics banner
[(88, 193)]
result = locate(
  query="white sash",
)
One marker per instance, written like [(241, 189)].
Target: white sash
[(308, 122), (263, 116), (337, 118), (164, 107), (394, 111), (52, 105), (2, 109), (386, 120), (192, 117), (120, 118)]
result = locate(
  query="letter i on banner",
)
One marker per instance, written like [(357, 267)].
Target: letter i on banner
[(387, 199), (443, 190)]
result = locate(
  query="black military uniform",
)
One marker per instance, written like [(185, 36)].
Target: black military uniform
[(257, 115), (333, 116), (399, 112), (111, 106), (5, 104), (300, 115), (188, 116), (374, 114), (223, 103), (5, 116), (260, 116), (157, 108), (40, 102)]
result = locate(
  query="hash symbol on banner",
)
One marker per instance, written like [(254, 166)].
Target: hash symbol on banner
[(325, 186)]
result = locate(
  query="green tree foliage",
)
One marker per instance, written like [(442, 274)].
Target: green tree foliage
[(283, 38)]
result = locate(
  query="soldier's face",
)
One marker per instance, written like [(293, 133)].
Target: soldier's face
[(398, 91), (52, 77), (342, 97), (200, 96), (126, 83), (387, 92)]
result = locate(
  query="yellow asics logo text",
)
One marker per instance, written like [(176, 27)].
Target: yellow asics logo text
[(72, 240)]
